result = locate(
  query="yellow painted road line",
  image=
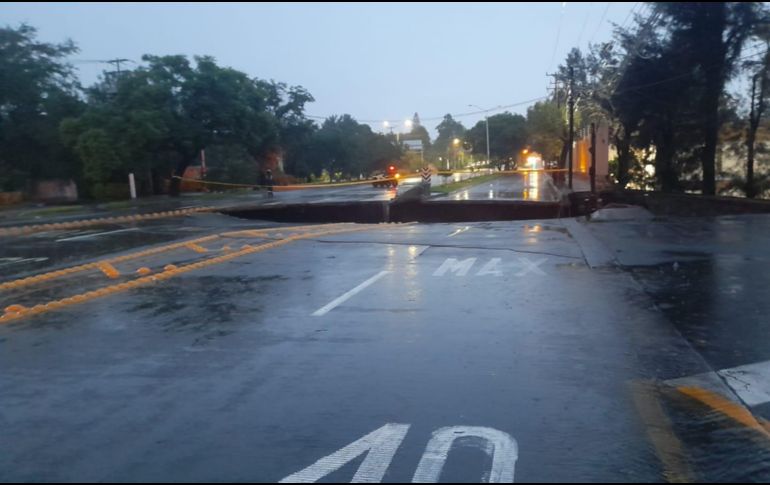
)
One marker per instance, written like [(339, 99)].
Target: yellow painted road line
[(262, 232), (659, 429), (15, 312), (724, 406), (30, 280), (21, 230), (109, 270), (196, 248)]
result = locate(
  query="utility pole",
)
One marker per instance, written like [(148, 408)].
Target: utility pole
[(759, 81), (571, 101), (117, 62), (486, 120), (556, 93), (593, 158), (486, 123)]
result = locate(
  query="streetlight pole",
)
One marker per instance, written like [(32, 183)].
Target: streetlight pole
[(486, 122), (571, 102), (456, 144)]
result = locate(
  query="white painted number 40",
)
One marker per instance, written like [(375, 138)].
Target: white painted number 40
[(380, 446)]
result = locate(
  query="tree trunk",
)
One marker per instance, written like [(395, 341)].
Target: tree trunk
[(711, 135), (714, 52), (755, 119), (150, 183), (750, 139), (665, 173), (751, 191)]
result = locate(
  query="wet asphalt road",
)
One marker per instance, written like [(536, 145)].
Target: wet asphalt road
[(526, 186), (546, 347)]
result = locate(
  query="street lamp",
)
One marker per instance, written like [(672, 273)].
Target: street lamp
[(408, 124), (456, 143), (486, 122)]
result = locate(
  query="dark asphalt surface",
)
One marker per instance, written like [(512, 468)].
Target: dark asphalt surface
[(542, 336), (527, 186)]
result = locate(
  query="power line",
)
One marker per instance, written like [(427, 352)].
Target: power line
[(630, 12), (601, 21), (585, 24), (687, 74), (558, 35), (455, 115), (542, 98)]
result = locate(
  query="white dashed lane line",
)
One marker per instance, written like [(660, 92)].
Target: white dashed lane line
[(346, 296)]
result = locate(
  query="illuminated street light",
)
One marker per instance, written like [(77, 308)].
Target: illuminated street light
[(408, 124), (486, 122)]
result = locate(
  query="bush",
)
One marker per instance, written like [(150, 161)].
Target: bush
[(110, 191)]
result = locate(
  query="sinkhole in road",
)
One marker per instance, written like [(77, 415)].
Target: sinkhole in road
[(403, 211)]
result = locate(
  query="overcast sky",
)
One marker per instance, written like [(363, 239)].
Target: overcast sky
[(373, 61)]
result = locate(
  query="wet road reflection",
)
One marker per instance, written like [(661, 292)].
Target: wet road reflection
[(534, 186)]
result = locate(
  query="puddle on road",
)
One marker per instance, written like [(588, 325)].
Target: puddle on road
[(528, 228), (719, 304)]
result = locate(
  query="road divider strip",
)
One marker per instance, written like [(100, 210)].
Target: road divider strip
[(31, 280), (15, 312), (58, 226), (44, 277)]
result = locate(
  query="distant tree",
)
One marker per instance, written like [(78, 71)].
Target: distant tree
[(507, 136), (419, 132), (546, 129), (344, 146), (37, 90), (157, 118), (448, 130)]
